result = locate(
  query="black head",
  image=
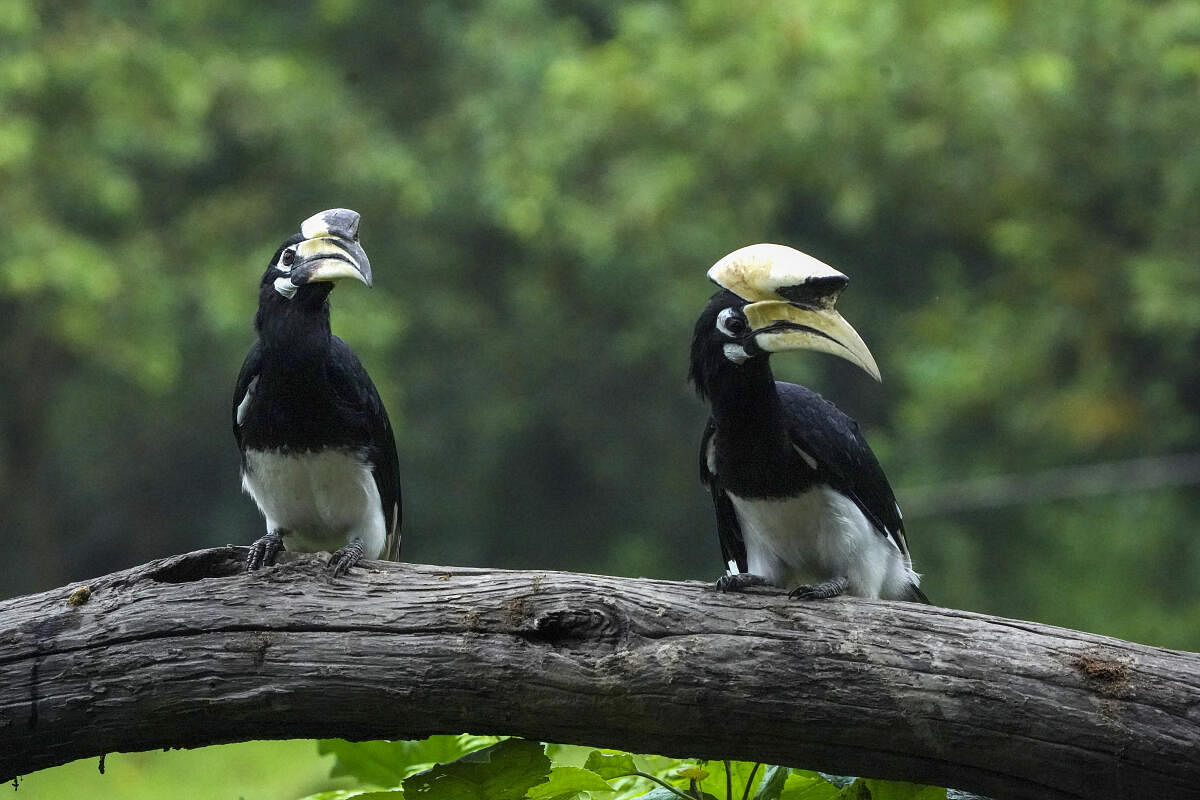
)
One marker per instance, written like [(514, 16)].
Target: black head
[(722, 340), (773, 299), (306, 266)]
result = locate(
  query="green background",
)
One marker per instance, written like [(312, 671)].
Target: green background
[(1013, 187)]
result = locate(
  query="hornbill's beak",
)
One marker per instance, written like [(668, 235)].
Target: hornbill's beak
[(791, 298), (330, 250)]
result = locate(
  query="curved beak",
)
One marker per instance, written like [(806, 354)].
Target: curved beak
[(778, 326), (791, 297), (330, 250)]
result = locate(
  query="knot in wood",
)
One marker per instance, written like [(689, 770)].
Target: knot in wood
[(1108, 674), (566, 625), (220, 562)]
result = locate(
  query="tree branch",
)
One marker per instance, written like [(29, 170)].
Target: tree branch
[(189, 651)]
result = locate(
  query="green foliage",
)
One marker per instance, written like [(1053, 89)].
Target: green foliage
[(516, 769), (568, 783), (268, 769), (1013, 187), (865, 789), (774, 779), (383, 763), (804, 785), (506, 770), (610, 765)]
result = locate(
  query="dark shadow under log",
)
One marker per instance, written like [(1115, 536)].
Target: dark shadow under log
[(189, 651)]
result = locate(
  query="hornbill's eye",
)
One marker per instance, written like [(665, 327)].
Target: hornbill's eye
[(731, 323), (288, 258)]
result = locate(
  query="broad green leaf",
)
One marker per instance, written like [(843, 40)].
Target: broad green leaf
[(806, 785), (435, 785), (610, 765), (895, 790), (660, 766), (504, 771), (384, 763), (568, 782), (568, 755)]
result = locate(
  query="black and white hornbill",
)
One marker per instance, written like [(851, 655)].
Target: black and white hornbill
[(800, 499), (318, 454)]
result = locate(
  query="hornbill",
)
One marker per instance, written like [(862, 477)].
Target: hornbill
[(318, 454), (801, 501)]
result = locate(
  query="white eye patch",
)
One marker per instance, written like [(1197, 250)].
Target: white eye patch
[(287, 259), (731, 323)]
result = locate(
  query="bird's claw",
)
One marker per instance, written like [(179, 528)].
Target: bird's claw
[(344, 558), (740, 581), (819, 591), (263, 551)]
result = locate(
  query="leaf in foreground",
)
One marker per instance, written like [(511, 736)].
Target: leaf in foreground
[(504, 771), (383, 763), (868, 789), (805, 785), (568, 782), (610, 765)]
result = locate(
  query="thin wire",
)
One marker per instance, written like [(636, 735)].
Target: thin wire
[(1091, 480)]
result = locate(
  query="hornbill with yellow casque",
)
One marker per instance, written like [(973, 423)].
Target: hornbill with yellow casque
[(801, 501), (318, 453)]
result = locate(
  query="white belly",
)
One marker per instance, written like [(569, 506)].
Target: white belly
[(319, 500), (817, 536)]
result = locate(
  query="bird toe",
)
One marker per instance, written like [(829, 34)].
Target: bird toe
[(263, 551), (738, 582), (344, 558), (819, 591)]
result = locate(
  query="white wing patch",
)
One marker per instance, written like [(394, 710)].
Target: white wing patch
[(710, 455), (812, 462), (244, 406)]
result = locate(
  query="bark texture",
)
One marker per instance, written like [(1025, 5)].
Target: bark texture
[(190, 651)]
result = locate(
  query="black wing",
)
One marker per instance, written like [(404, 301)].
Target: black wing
[(357, 393), (729, 532), (243, 393), (819, 429)]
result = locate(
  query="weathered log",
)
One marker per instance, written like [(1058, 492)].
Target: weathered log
[(190, 651)]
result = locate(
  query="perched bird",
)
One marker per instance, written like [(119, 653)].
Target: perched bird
[(801, 501), (318, 454)]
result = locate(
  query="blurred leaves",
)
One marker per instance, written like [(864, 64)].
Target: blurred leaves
[(1012, 187)]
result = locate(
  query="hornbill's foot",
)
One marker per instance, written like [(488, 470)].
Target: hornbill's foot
[(820, 591), (263, 551), (740, 581), (344, 558)]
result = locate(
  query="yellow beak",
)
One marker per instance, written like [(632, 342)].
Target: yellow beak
[(778, 326), (791, 297), (331, 250)]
